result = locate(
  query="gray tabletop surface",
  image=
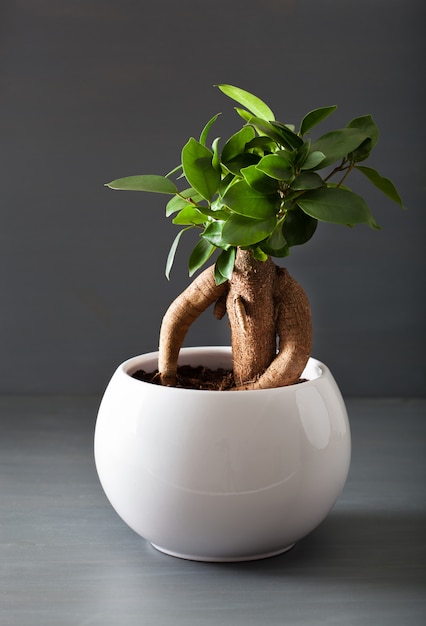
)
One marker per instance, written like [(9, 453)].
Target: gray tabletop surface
[(67, 559)]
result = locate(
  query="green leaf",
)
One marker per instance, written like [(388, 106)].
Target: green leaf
[(206, 129), (292, 140), (298, 227), (244, 200), (178, 203), (338, 144), (172, 252), (149, 182), (189, 215), (258, 180), (302, 154), (265, 128), (236, 144), (259, 254), (367, 125), (199, 170), (244, 114), (200, 254), (216, 157), (314, 117), (276, 244), (219, 212), (254, 104), (280, 133), (384, 184), (218, 277), (225, 262), (335, 205), (261, 145), (313, 160), (213, 234), (276, 166), (236, 164), (307, 180), (226, 182), (244, 231)]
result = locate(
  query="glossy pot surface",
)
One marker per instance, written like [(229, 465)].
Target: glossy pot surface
[(221, 475)]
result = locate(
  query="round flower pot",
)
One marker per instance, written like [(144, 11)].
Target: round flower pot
[(221, 475)]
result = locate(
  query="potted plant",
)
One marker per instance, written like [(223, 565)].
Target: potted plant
[(235, 453)]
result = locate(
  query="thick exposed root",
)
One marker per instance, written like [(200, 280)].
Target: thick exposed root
[(200, 294), (294, 330)]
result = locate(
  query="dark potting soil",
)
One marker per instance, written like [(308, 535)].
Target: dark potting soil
[(189, 377)]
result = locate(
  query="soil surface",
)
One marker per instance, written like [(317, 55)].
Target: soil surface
[(189, 377), (200, 377)]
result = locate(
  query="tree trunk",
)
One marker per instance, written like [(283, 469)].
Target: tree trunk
[(251, 311), (270, 320)]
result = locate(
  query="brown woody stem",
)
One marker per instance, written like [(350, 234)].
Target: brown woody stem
[(200, 294)]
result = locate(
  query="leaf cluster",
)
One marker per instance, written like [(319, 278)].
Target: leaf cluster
[(267, 187)]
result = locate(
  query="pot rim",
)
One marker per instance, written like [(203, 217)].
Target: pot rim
[(314, 370)]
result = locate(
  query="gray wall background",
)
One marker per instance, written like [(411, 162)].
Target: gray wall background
[(96, 89)]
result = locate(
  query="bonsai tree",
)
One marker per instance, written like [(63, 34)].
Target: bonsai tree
[(253, 199)]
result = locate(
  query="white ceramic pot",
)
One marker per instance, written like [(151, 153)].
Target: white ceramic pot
[(221, 475)]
